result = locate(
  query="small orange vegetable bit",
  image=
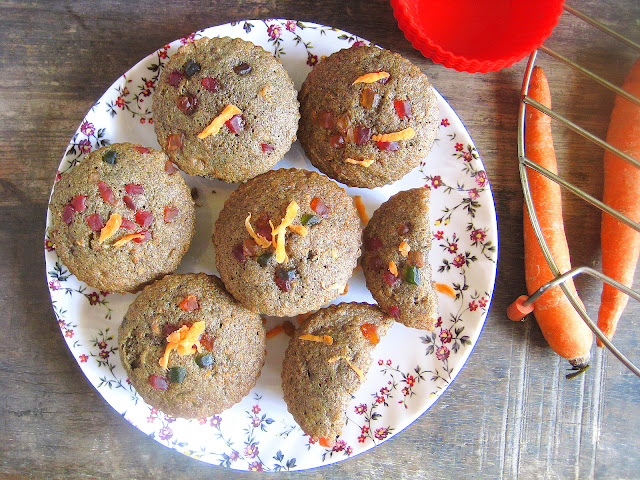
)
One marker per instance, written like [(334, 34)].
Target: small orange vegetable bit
[(405, 134), (275, 331), (370, 332), (404, 248), (446, 289), (364, 163), (189, 304), (259, 239), (371, 77), (112, 226), (393, 268), (299, 229), (362, 211), (315, 338), (127, 238), (214, 127), (324, 442), (183, 341), (278, 233)]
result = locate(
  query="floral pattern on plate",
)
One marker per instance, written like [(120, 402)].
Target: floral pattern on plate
[(258, 433)]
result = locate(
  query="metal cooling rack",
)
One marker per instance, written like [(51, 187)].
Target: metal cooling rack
[(525, 164)]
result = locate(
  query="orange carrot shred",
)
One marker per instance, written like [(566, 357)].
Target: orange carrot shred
[(353, 366), (315, 338), (364, 163), (216, 124), (362, 211), (127, 238), (446, 289), (278, 233), (259, 239), (275, 331), (299, 229), (370, 332), (189, 304), (112, 226), (333, 286), (185, 341), (356, 369), (371, 77), (405, 134), (326, 443), (404, 248)]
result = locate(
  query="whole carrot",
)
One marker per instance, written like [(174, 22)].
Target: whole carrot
[(620, 243), (561, 325)]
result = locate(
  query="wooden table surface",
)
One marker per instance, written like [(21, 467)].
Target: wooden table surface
[(510, 413)]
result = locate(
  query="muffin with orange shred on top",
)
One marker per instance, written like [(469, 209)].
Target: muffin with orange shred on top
[(287, 242), (225, 108), (189, 348), (326, 362), (122, 218), (395, 261), (368, 116)]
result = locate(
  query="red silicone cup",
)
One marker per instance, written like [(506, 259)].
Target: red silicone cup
[(477, 36)]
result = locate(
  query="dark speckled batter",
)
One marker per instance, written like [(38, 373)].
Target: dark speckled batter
[(317, 380), (321, 263), (235, 335), (244, 75), (329, 88), (131, 266)]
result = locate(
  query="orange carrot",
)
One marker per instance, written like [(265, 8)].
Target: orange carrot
[(620, 243), (275, 331), (561, 325)]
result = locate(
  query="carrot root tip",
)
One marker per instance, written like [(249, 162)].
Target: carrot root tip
[(580, 363), (577, 370)]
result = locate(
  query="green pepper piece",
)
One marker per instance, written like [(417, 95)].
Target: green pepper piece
[(110, 157), (205, 360), (263, 259), (310, 220), (412, 275), (177, 374)]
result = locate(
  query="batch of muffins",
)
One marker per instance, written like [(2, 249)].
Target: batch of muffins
[(287, 240)]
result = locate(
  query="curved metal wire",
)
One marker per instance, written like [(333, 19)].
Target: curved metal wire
[(525, 164)]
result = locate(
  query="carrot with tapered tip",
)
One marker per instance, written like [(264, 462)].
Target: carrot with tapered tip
[(620, 243), (560, 323)]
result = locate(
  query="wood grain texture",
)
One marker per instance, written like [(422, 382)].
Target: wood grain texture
[(509, 414)]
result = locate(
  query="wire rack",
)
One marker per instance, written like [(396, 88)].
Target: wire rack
[(525, 164)]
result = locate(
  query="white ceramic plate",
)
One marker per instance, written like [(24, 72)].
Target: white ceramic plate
[(411, 368)]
